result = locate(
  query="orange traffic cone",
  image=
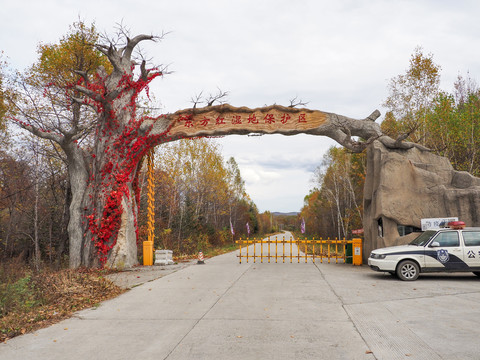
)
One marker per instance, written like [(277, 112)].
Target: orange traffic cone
[(200, 258)]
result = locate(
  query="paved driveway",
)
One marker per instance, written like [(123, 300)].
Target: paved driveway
[(227, 310)]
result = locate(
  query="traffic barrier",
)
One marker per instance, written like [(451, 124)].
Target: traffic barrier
[(164, 257), (200, 258), (306, 249)]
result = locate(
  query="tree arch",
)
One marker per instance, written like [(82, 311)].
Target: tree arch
[(104, 176)]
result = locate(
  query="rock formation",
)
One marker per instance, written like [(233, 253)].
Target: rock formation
[(404, 186)]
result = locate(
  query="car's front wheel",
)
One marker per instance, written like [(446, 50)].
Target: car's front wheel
[(408, 270)]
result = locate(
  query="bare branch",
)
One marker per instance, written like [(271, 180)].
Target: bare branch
[(38, 132), (131, 43), (196, 99), (294, 102), (219, 95), (91, 94), (81, 101), (82, 131), (143, 72), (83, 74)]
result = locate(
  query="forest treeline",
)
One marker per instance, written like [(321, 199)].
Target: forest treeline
[(447, 122)]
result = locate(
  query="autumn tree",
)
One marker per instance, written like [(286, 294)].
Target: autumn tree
[(447, 123), (2, 97), (454, 124), (239, 199), (48, 106), (3, 103), (265, 223), (15, 195), (200, 194), (314, 213), (197, 195), (410, 97), (335, 206)]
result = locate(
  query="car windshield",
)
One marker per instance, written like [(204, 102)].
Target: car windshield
[(423, 238)]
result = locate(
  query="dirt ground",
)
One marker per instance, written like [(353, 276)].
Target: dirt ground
[(141, 274)]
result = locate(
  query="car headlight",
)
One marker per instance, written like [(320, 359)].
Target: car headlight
[(377, 256)]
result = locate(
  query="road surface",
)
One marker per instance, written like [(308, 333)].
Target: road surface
[(227, 310)]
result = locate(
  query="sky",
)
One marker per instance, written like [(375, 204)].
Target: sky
[(338, 56)]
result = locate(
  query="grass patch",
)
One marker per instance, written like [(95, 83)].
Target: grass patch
[(209, 252), (221, 250), (29, 300)]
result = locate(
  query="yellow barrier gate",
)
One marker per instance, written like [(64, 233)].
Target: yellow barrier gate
[(300, 250)]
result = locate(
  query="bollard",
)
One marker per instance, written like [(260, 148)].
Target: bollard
[(148, 253)]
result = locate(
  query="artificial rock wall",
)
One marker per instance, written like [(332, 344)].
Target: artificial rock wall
[(404, 186)]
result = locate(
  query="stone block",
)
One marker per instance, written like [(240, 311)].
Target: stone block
[(163, 257), (404, 186)]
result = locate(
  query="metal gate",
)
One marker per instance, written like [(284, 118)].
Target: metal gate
[(300, 250)]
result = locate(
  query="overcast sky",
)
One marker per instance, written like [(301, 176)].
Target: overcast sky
[(337, 55)]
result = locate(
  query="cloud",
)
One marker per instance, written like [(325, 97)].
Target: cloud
[(257, 175)]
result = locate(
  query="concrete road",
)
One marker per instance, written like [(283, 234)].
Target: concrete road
[(227, 310)]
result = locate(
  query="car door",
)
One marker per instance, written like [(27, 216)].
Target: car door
[(471, 239), (445, 252)]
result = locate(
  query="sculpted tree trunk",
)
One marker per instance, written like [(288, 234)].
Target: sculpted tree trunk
[(119, 145)]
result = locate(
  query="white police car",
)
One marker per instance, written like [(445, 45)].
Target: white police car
[(453, 249)]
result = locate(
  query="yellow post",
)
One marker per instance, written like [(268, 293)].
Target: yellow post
[(357, 251), (336, 251), (276, 249), (268, 250), (283, 242), (240, 244), (148, 245), (247, 250), (321, 251), (298, 251), (313, 250), (261, 251), (329, 243), (254, 251), (306, 251), (291, 249)]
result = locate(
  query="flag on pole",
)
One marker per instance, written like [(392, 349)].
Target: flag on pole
[(302, 226), (231, 228), (248, 229)]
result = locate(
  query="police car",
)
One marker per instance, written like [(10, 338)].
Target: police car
[(452, 249)]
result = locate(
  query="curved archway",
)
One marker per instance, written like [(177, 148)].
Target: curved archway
[(108, 202), (104, 173)]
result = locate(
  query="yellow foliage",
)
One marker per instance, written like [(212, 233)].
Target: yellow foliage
[(76, 51)]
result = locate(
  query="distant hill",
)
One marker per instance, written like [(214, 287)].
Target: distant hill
[(293, 213)]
